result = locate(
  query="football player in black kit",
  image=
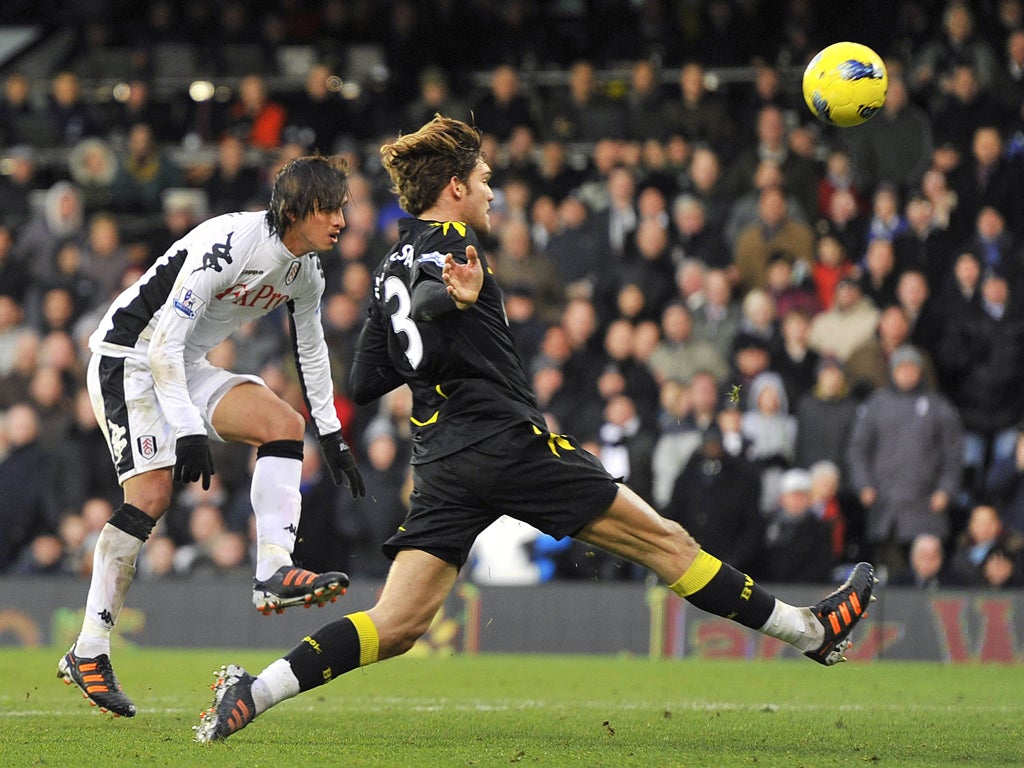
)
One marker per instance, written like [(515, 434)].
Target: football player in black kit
[(481, 449)]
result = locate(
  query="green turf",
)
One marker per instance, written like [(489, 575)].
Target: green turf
[(531, 710)]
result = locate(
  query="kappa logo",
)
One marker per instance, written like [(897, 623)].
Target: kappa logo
[(147, 446), (187, 303), (293, 272), (118, 442), (217, 252)]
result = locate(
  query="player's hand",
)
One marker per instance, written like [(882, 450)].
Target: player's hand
[(192, 460), (342, 464), (463, 281)]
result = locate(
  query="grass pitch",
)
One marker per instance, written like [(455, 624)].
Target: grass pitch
[(497, 710)]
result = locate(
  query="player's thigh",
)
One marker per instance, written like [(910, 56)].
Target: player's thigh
[(632, 529), (251, 413)]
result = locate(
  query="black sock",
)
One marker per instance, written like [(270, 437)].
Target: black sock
[(334, 649)]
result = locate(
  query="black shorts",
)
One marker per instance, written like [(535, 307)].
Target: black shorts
[(548, 481)]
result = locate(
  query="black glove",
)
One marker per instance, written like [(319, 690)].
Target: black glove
[(342, 464), (192, 460)]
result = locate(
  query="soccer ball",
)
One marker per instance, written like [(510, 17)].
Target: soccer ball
[(845, 84)]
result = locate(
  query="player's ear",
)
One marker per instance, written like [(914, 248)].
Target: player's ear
[(456, 186)]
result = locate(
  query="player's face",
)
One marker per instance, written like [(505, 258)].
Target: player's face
[(317, 232), (477, 200)]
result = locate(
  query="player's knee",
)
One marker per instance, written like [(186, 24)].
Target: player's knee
[(152, 498), (284, 424)]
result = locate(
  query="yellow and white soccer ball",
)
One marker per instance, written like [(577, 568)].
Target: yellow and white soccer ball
[(845, 84)]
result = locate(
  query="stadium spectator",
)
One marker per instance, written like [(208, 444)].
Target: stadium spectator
[(990, 179), (913, 296), (231, 183), (964, 107), (905, 461), (982, 355), (518, 264), (435, 97), (932, 67), (797, 545), (1004, 483), (317, 115), (680, 355), (825, 417), (16, 110), (704, 180), (895, 146), (253, 116), (61, 218), (987, 553), (770, 432), (715, 496), (827, 505), (68, 113), (849, 323), (794, 361), (773, 232), (927, 567), (868, 367), (28, 510), (580, 112), (504, 107), (699, 115)]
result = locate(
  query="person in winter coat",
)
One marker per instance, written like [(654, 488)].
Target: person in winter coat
[(905, 460)]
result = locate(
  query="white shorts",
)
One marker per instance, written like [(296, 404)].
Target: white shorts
[(126, 406)]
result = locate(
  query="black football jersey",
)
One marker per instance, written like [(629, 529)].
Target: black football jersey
[(467, 379)]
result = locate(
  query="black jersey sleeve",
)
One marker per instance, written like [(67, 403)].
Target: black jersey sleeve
[(372, 375), (430, 300)]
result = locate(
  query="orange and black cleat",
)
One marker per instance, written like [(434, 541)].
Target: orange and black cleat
[(97, 681), (840, 612), (291, 585), (232, 708)]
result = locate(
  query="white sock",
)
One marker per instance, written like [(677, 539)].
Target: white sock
[(113, 568), (277, 502), (797, 626), (273, 685)]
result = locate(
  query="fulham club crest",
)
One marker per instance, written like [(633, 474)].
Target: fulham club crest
[(147, 446), (293, 270)]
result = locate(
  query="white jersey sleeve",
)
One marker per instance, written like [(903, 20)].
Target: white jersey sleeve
[(311, 354)]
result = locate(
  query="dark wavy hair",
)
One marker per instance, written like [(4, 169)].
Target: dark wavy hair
[(304, 186), (421, 164)]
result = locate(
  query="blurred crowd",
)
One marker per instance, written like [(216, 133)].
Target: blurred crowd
[(805, 344)]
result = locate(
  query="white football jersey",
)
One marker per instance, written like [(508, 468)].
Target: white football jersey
[(227, 271)]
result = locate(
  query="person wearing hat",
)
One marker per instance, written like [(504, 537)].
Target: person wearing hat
[(850, 321), (797, 543), (905, 460)]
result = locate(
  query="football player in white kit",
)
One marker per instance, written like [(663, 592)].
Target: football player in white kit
[(160, 402)]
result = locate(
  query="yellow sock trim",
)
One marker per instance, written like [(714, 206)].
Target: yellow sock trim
[(697, 576), (369, 640)]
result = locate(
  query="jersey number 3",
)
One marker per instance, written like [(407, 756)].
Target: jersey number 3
[(394, 287)]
